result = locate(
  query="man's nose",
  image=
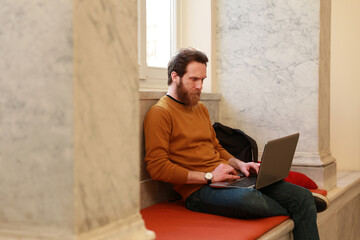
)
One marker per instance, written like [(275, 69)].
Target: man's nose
[(199, 85)]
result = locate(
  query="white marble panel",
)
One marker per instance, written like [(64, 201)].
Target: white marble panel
[(268, 69), (36, 104), (341, 219), (106, 119), (328, 230), (69, 135), (348, 220)]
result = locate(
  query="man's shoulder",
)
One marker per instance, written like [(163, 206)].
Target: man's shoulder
[(162, 103), (203, 107), (158, 114), (161, 107)]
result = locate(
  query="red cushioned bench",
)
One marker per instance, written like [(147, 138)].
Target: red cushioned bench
[(172, 221)]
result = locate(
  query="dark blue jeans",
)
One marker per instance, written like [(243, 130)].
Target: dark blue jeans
[(281, 198)]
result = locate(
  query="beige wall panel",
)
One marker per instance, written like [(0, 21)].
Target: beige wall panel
[(345, 84)]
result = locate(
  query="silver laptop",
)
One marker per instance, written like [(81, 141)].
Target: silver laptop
[(275, 165)]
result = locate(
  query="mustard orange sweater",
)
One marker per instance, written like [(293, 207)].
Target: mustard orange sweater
[(180, 138)]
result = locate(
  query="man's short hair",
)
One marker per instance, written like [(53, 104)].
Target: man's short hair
[(182, 58)]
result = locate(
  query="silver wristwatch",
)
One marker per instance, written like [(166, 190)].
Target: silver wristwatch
[(208, 177)]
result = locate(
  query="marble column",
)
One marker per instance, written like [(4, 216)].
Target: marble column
[(273, 74), (69, 132)]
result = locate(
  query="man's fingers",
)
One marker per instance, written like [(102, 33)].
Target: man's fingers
[(229, 169), (233, 171), (246, 173), (256, 167), (231, 177)]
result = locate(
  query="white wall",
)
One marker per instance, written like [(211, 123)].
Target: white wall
[(345, 84)]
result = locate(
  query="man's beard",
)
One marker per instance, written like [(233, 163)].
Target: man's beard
[(190, 98)]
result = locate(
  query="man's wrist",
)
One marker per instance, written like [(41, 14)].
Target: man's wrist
[(235, 163), (209, 177)]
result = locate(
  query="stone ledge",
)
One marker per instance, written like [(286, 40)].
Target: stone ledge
[(27, 232), (131, 228), (348, 188), (341, 220), (280, 232)]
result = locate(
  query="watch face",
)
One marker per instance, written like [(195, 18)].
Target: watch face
[(209, 175)]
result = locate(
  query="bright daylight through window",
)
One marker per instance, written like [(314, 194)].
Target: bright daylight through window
[(158, 32), (156, 41), (166, 25)]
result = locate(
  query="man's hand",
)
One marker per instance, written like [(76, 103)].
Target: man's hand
[(249, 167), (224, 172), (245, 168)]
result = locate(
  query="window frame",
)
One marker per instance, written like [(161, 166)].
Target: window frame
[(194, 23), (155, 78)]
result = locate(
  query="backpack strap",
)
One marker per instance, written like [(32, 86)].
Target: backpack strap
[(253, 143), (229, 131), (223, 127)]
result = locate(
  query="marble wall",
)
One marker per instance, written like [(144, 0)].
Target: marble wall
[(106, 103), (270, 74), (69, 132), (268, 61), (36, 100)]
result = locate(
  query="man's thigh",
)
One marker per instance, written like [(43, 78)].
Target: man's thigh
[(235, 202)]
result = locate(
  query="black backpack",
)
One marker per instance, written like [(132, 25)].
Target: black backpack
[(236, 142)]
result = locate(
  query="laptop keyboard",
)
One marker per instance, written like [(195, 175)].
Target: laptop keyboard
[(244, 182)]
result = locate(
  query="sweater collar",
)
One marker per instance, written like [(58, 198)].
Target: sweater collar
[(175, 99)]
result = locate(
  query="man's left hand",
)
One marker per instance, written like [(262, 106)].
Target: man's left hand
[(245, 167), (249, 167)]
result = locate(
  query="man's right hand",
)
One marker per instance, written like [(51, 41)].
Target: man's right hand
[(224, 172)]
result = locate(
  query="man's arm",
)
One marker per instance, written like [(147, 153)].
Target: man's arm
[(157, 131), (223, 172)]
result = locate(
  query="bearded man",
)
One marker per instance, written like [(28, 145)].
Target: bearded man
[(182, 149)]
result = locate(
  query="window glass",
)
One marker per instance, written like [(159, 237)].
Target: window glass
[(158, 32)]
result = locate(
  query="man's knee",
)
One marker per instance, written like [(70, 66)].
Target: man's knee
[(305, 194), (304, 198)]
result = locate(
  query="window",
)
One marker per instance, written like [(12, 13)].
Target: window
[(167, 25), (159, 28), (157, 41)]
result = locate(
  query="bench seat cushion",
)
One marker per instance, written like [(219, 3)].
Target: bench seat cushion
[(171, 220)]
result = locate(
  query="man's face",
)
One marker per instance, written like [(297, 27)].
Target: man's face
[(189, 87)]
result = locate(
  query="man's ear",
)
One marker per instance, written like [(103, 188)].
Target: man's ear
[(175, 77)]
